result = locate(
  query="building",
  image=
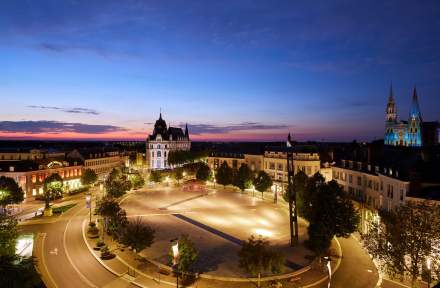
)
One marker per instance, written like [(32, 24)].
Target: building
[(411, 133), (30, 175), (274, 162), (163, 141), (27, 154), (101, 161), (305, 158), (234, 160)]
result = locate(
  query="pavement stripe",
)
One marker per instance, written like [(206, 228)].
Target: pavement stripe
[(183, 201)]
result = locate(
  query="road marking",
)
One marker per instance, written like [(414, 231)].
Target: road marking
[(51, 282), (54, 252), (84, 278)]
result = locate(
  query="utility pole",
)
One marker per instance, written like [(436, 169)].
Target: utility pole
[(292, 199)]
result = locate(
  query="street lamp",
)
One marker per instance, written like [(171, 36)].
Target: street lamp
[(214, 182), (428, 265), (253, 190), (175, 250), (89, 205)]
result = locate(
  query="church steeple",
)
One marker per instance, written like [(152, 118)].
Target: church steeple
[(391, 107), (289, 140), (415, 108)]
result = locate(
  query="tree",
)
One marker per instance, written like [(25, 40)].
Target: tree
[(178, 174), (89, 177), (187, 254), (262, 182), (243, 177), (117, 184), (203, 172), (115, 218), (15, 271), (255, 257), (330, 213), (299, 189), (8, 235), (404, 238), (137, 181), (138, 235), (10, 192), (156, 176), (224, 174), (52, 188)]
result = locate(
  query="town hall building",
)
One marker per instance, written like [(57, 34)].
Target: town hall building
[(162, 142)]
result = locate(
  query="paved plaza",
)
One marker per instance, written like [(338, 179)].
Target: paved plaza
[(217, 220)]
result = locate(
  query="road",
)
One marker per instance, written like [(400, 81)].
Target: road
[(66, 256)]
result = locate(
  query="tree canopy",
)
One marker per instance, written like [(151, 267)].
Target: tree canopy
[(117, 184), (178, 174), (137, 181), (243, 177), (115, 217), (299, 190), (52, 188), (10, 192), (179, 157), (255, 257), (404, 238), (262, 182), (15, 271), (203, 172), (224, 174), (138, 235), (156, 176), (330, 213), (89, 177), (187, 253)]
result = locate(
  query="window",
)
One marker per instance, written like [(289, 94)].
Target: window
[(34, 179), (34, 192), (272, 165), (158, 154), (165, 153), (152, 154), (350, 178), (158, 146), (280, 167), (359, 180)]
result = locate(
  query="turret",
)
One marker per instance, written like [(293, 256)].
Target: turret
[(186, 131)]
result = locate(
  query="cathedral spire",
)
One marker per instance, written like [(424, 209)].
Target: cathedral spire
[(391, 96), (415, 108), (186, 131)]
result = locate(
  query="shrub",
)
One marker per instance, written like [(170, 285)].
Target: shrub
[(78, 190)]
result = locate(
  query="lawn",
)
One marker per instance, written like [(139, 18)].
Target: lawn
[(62, 209)]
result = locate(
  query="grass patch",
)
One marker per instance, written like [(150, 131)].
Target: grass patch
[(62, 209)]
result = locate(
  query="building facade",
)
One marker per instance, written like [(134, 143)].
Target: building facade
[(30, 175), (411, 133), (164, 140), (102, 162)]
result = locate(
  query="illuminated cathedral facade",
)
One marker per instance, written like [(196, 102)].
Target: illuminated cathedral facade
[(403, 133)]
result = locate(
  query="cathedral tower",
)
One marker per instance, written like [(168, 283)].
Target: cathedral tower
[(414, 132)]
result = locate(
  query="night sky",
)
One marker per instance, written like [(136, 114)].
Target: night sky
[(234, 70)]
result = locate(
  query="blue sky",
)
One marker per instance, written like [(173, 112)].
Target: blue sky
[(234, 70)]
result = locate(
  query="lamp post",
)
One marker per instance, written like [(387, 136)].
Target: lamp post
[(253, 190), (214, 182), (428, 265), (89, 205), (175, 250)]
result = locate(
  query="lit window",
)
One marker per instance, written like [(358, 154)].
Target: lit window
[(34, 192), (34, 178)]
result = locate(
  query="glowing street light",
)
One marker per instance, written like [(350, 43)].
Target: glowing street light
[(329, 269), (175, 250)]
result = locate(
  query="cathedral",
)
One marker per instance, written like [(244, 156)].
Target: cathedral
[(405, 133), (162, 142)]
